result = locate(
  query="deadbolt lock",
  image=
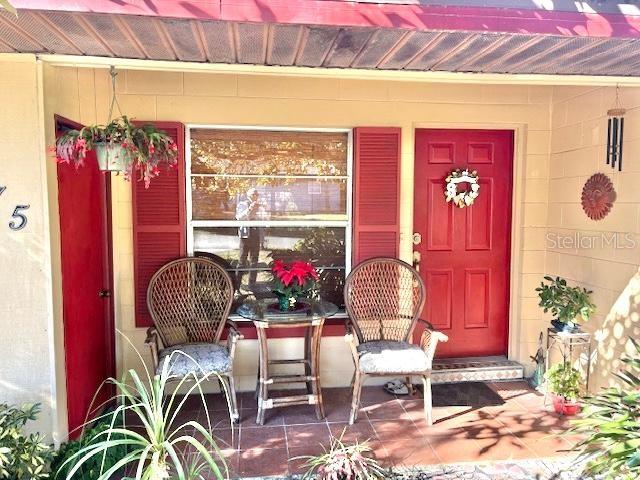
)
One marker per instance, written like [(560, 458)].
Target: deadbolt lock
[(417, 238)]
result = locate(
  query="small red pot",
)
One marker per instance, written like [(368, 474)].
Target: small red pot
[(565, 407)]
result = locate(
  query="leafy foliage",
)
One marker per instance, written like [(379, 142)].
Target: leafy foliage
[(611, 423), (564, 302), (563, 380), (144, 147), (22, 457), (344, 462), (90, 470), (158, 445)]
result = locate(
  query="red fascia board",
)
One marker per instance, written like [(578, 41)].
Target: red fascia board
[(341, 13)]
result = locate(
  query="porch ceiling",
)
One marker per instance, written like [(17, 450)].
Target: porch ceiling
[(367, 46)]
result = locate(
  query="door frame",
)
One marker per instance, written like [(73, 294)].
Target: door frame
[(517, 198), (107, 236)]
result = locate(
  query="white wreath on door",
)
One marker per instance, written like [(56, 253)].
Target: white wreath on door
[(467, 197)]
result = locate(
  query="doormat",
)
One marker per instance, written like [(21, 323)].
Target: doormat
[(467, 394)]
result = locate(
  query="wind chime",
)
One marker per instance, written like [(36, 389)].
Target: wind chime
[(615, 134)]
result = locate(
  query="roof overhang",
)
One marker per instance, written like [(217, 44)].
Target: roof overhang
[(377, 36)]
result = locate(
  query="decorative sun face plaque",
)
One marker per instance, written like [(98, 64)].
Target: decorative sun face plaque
[(464, 198), (598, 196)]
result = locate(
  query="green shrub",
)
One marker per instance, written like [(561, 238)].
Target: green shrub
[(611, 425), (91, 469), (22, 457)]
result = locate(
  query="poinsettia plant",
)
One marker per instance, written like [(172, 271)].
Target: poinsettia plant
[(293, 280), (140, 149)]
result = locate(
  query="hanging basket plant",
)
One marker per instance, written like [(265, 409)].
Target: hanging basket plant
[(121, 146)]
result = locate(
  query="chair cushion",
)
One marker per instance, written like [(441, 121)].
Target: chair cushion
[(391, 357), (210, 358)]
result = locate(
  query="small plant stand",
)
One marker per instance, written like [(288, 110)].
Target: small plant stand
[(566, 343)]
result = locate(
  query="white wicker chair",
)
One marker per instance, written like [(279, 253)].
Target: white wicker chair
[(384, 298)]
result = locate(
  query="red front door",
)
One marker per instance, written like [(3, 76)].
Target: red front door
[(85, 238), (465, 252)]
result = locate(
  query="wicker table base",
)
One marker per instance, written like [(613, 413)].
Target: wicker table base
[(311, 362)]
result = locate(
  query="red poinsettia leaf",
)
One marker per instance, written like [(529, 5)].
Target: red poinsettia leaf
[(278, 266), (286, 278)]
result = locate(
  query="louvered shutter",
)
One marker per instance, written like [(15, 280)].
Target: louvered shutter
[(376, 213), (159, 222)]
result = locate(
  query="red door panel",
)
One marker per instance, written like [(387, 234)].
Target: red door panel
[(85, 226), (465, 253)]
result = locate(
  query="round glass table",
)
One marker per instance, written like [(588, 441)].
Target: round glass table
[(308, 314)]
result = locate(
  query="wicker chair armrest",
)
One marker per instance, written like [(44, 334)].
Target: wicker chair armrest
[(426, 323), (153, 341), (234, 330), (232, 337), (350, 339), (429, 341)]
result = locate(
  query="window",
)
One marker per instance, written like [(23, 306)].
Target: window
[(257, 195)]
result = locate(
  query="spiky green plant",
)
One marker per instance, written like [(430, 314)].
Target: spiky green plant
[(6, 4), (611, 424), (343, 462), (156, 442)]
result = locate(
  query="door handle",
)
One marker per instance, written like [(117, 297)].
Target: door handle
[(104, 293), (416, 260)]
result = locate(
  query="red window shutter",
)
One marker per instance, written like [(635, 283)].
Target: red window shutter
[(159, 222), (376, 216)]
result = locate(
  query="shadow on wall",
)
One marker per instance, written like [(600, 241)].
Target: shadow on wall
[(612, 337)]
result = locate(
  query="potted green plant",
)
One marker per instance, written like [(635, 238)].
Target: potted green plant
[(567, 304), (563, 382), (120, 146)]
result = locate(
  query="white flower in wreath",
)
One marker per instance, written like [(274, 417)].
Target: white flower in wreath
[(467, 197)]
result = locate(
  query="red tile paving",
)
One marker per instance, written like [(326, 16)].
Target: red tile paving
[(522, 427)]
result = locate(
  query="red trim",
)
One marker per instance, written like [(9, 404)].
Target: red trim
[(145, 262), (333, 12), (332, 328), (376, 211)]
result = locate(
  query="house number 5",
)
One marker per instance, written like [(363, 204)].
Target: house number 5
[(19, 219)]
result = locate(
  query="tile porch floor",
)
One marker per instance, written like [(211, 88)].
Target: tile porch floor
[(520, 428)]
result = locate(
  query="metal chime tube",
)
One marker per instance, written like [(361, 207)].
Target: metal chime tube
[(620, 135), (614, 143), (609, 122), (615, 137)]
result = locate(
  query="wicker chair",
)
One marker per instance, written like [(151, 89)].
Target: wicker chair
[(189, 300), (384, 298)]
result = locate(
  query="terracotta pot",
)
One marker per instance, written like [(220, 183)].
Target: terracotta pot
[(565, 407), (111, 157)]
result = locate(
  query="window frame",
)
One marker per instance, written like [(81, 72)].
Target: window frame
[(191, 223)]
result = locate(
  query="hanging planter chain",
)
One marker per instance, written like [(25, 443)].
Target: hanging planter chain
[(112, 157)]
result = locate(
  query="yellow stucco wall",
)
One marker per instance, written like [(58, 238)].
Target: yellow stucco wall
[(27, 366), (578, 138), (209, 98)]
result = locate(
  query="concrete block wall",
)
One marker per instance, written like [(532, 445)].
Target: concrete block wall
[(603, 256)]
